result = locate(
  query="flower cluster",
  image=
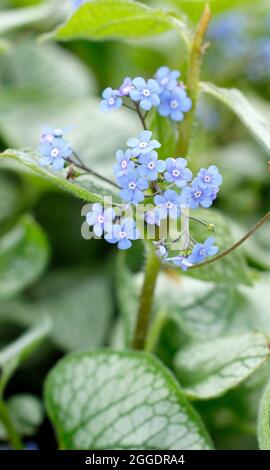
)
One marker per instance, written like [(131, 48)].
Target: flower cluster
[(163, 92), (142, 177), (55, 150)]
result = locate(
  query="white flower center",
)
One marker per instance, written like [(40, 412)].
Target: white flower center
[(169, 205), (124, 164), (111, 101), (197, 194), (176, 173), (143, 144), (100, 219), (207, 179), (132, 185), (174, 104), (122, 234), (151, 165), (202, 251), (55, 152), (146, 92)]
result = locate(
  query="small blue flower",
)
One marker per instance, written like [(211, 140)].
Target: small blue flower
[(143, 144), (196, 195), (100, 219), (168, 204), (174, 104), (126, 87), (49, 133), (210, 177), (123, 233), (181, 261), (133, 186), (124, 162), (54, 153), (161, 250), (166, 78), (152, 217), (177, 172), (203, 250), (111, 100), (146, 93), (151, 166)]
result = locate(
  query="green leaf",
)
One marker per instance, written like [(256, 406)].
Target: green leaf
[(10, 196), (237, 102), (117, 19), (231, 269), (27, 415), (209, 369), (78, 303), (18, 18), (164, 132), (120, 400), (18, 351), (23, 257), (87, 187), (264, 420)]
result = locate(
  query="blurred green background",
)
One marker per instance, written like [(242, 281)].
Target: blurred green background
[(73, 280)]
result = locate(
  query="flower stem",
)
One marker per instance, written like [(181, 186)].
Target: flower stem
[(147, 294), (14, 438), (193, 77), (257, 226), (88, 170)]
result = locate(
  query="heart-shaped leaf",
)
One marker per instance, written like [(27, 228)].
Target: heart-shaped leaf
[(120, 400)]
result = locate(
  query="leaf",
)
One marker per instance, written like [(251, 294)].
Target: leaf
[(164, 132), (231, 269), (120, 400), (86, 186), (18, 18), (27, 415), (18, 351), (10, 196), (23, 256), (209, 369), (78, 303), (264, 420), (237, 102), (117, 19)]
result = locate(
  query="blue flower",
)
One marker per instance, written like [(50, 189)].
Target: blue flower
[(203, 250), (168, 204), (124, 163), (210, 177), (146, 93), (133, 186), (181, 261), (151, 166), (196, 195), (111, 100), (100, 219), (126, 87), (174, 104), (166, 78), (49, 133), (152, 217), (143, 144), (177, 172), (54, 153), (161, 250), (123, 233)]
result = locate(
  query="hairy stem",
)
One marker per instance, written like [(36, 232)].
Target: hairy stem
[(236, 245), (193, 77), (13, 436), (146, 300), (88, 170)]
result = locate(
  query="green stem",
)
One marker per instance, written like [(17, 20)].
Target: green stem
[(193, 77), (156, 329), (5, 418), (146, 300)]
